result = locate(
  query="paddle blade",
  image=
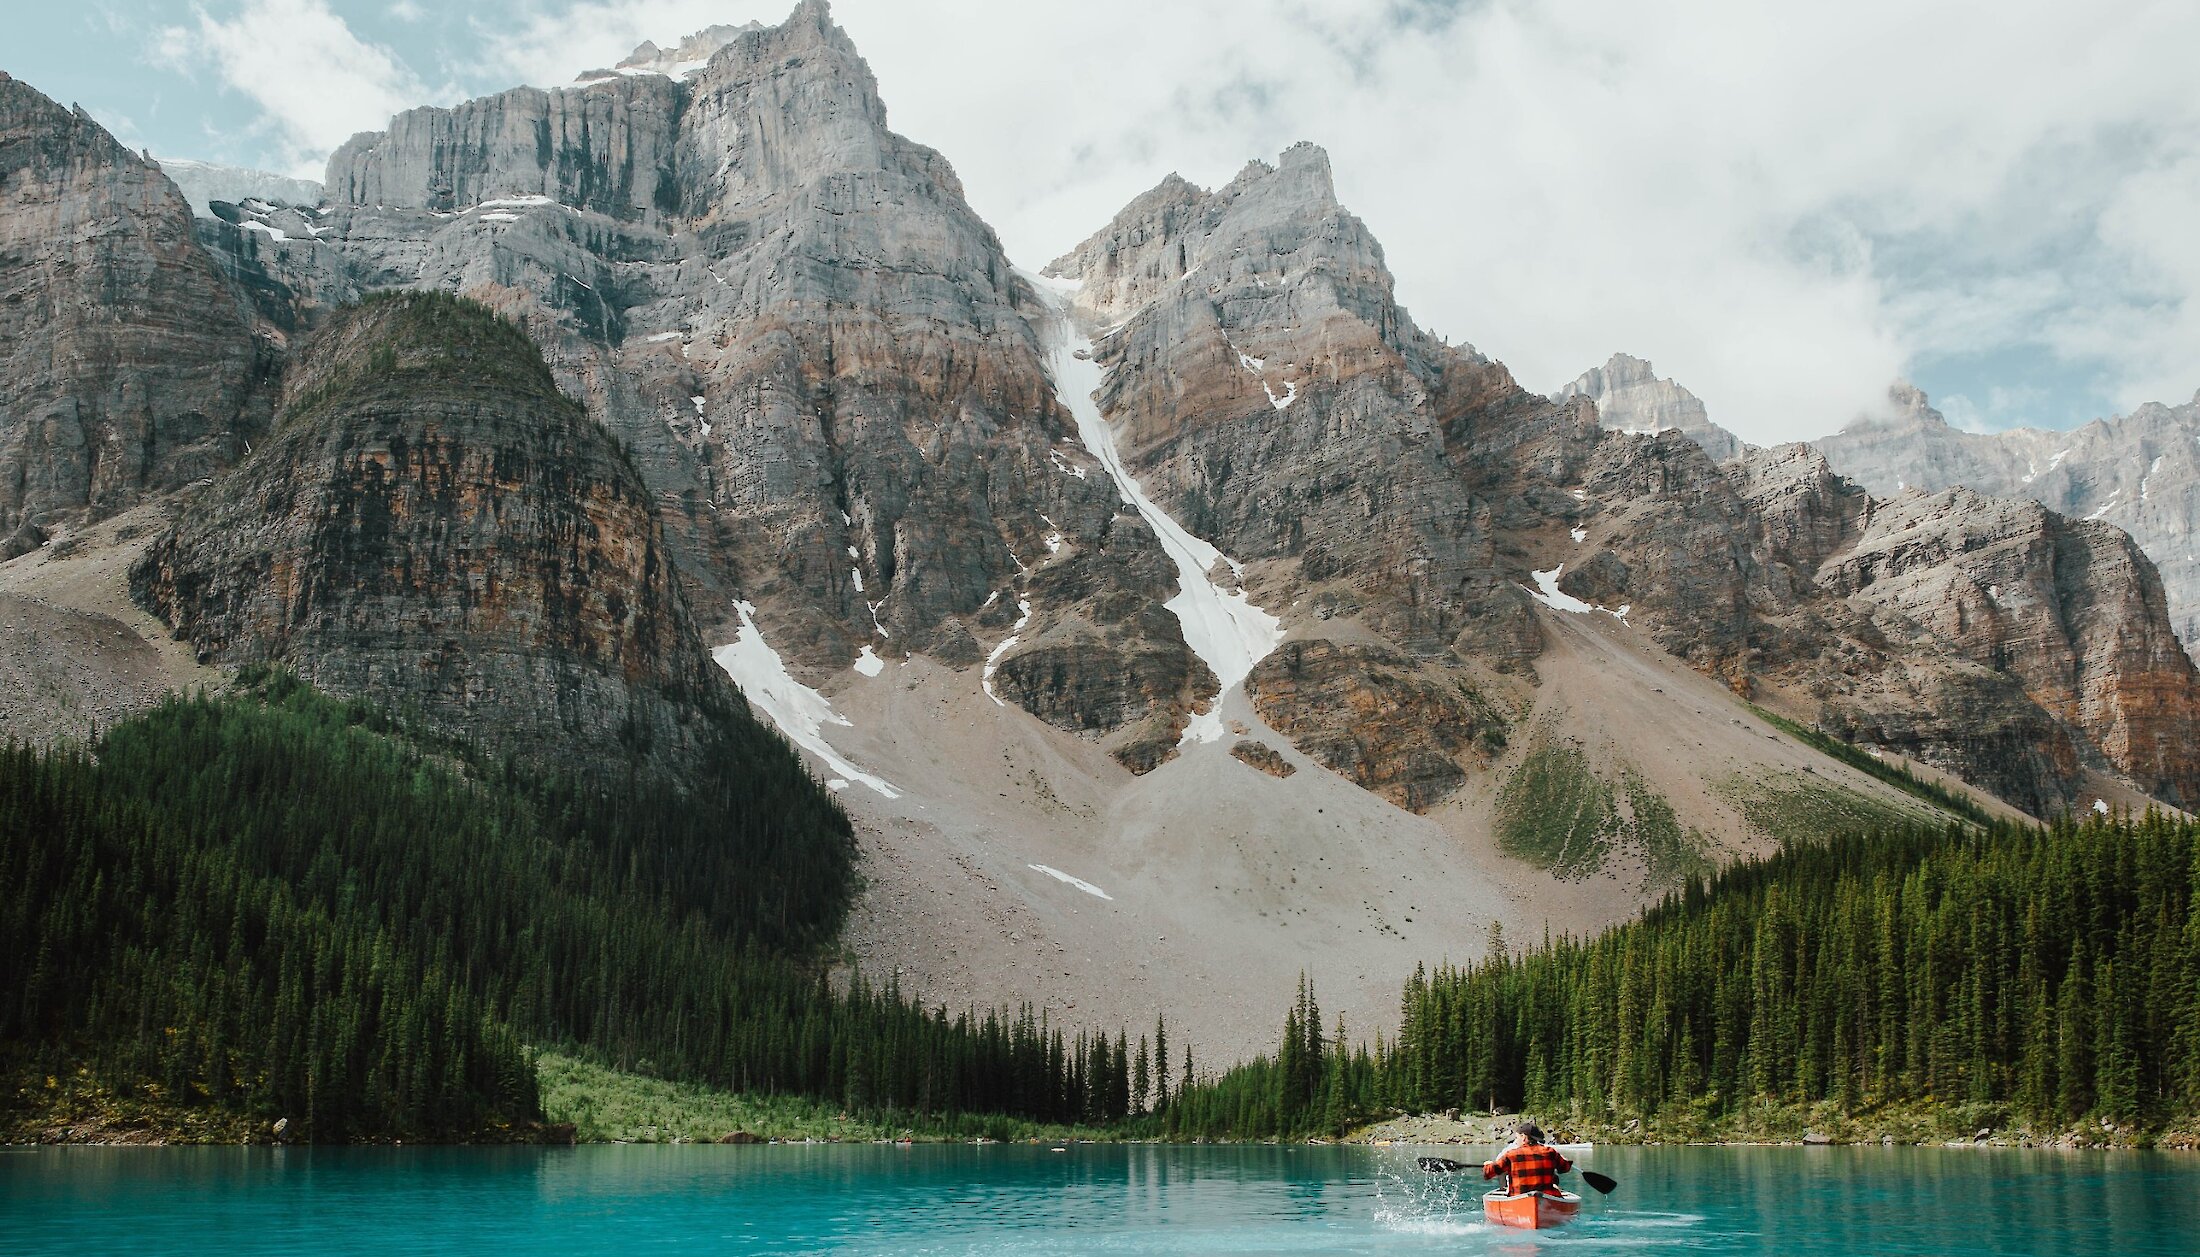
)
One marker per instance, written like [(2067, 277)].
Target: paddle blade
[(1441, 1165), (1601, 1182)]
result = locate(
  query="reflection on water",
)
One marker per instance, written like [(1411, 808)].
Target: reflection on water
[(1136, 1200)]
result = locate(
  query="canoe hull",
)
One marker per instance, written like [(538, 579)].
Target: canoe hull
[(1531, 1213)]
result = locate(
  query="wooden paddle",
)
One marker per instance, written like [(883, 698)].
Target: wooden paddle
[(1445, 1165)]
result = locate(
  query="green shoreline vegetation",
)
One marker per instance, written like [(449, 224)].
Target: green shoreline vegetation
[(274, 907)]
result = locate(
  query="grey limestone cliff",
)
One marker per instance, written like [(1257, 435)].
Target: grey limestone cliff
[(128, 364)]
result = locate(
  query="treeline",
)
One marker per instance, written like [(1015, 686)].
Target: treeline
[(2054, 969), (1314, 1084), (280, 905)]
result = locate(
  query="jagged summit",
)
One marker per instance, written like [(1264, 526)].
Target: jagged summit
[(694, 52), (1269, 222), (690, 54), (769, 110)]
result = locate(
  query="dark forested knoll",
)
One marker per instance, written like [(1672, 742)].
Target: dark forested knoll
[(279, 905)]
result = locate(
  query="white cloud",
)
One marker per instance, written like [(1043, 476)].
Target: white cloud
[(2152, 226), (317, 82), (407, 11)]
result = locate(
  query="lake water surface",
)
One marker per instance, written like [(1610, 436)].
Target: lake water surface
[(1090, 1199)]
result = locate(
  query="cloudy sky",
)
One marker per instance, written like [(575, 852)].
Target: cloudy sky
[(1783, 209)]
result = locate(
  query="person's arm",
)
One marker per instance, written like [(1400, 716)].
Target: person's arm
[(1491, 1169), (1561, 1164)]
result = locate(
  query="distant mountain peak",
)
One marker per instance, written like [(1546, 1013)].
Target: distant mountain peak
[(1909, 404), (688, 56), (1630, 397)]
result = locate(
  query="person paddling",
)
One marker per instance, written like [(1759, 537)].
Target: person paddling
[(1528, 1164)]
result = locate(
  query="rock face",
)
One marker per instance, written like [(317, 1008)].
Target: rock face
[(824, 365), (2069, 608), (1631, 398), (434, 525), (1414, 502), (847, 409), (1261, 370), (1397, 490), (273, 255), (2140, 472), (607, 148), (1377, 718), (128, 366)]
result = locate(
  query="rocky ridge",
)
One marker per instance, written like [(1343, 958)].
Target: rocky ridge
[(1260, 372), (2140, 472), (2070, 609)]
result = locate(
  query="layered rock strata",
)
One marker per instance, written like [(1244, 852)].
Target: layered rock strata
[(433, 525), (128, 365)]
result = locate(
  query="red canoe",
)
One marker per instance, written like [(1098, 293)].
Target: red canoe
[(1533, 1212)]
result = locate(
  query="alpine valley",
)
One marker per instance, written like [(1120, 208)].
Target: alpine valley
[(1162, 623)]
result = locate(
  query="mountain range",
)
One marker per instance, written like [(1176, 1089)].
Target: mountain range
[(1169, 616)]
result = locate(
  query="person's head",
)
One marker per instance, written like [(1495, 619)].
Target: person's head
[(1528, 1133)]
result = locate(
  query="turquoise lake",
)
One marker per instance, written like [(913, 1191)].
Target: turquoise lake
[(1091, 1199)]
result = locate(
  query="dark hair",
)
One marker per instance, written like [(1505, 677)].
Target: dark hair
[(1531, 1132)]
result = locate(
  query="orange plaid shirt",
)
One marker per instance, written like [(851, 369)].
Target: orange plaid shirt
[(1529, 1168)]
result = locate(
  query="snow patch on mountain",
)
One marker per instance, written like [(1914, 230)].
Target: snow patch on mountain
[(993, 660), (1550, 595), (1079, 882), (800, 712), (1221, 625)]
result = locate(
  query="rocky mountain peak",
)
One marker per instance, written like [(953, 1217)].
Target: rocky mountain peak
[(1266, 230), (2140, 472), (787, 107), (1908, 406), (1301, 174)]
